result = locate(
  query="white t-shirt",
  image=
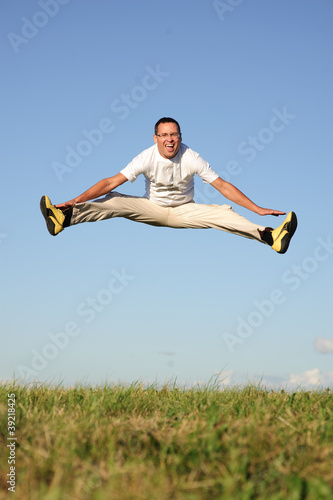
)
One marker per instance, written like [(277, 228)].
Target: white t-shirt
[(169, 182)]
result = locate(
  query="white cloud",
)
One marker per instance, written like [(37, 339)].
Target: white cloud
[(310, 379), (324, 346), (224, 377)]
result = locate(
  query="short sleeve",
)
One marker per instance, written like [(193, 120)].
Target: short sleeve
[(205, 171), (134, 168)]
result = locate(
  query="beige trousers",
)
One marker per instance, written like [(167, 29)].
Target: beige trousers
[(190, 215)]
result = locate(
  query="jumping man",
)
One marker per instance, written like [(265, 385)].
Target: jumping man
[(169, 167)]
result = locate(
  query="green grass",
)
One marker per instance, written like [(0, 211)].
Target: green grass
[(118, 442)]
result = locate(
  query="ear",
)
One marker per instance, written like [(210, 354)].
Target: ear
[(155, 139)]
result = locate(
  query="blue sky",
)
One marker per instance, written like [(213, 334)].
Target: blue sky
[(82, 85)]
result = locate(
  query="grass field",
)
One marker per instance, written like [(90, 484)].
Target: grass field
[(118, 442)]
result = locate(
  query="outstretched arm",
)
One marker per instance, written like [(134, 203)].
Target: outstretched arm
[(101, 188), (235, 195)]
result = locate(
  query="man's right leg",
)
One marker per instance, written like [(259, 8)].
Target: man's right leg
[(112, 205), (120, 205), (54, 217)]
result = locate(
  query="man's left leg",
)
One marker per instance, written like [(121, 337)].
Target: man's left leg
[(223, 217)]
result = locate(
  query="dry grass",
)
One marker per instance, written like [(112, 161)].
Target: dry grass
[(117, 442)]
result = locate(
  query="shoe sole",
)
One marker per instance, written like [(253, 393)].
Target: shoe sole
[(288, 233), (51, 222)]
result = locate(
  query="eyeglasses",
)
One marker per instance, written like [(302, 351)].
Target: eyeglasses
[(174, 135)]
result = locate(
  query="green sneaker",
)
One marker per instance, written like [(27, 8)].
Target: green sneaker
[(283, 234), (53, 216)]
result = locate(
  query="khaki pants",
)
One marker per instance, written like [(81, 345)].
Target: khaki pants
[(190, 215)]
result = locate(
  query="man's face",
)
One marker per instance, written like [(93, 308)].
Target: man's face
[(168, 140)]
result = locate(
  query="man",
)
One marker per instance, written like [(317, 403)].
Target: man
[(169, 167)]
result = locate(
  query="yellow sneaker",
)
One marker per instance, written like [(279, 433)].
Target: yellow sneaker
[(283, 234), (53, 216)]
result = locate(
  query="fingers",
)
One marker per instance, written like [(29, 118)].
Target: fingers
[(276, 213), (67, 204), (269, 211)]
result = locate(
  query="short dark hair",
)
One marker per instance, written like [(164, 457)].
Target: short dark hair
[(166, 119)]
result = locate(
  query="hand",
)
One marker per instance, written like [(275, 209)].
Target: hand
[(67, 204), (268, 211)]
